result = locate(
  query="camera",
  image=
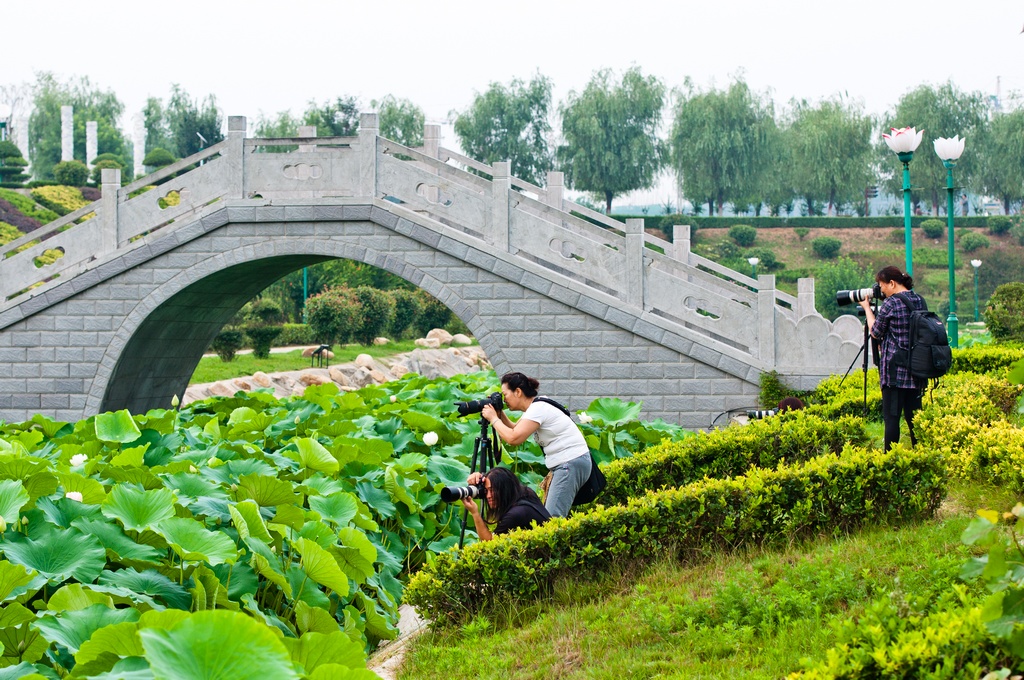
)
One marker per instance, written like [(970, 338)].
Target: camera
[(845, 297), (757, 415), (477, 405), (450, 494)]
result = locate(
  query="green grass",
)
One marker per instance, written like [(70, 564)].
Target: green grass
[(212, 369), (751, 614)]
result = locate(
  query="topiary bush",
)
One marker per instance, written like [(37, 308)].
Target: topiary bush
[(71, 173), (106, 164), (378, 309), (158, 158), (743, 234), (999, 224), (826, 247), (933, 228), (262, 339), (801, 232), (897, 236), (767, 260), (408, 307), (972, 241), (1004, 314), (333, 315), (263, 325), (11, 165), (227, 343)]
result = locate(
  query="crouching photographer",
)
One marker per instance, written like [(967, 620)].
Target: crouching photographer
[(509, 503)]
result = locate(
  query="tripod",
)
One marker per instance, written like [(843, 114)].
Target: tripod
[(864, 350), (486, 455)]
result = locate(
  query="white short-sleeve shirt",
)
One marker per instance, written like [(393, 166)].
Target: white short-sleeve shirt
[(558, 435)]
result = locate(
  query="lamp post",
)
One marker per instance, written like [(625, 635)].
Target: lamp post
[(977, 265), (949, 151), (753, 266), (903, 143)]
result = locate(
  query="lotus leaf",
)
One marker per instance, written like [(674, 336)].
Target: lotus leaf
[(73, 628), (75, 596), (92, 491), (58, 555), (12, 498), (266, 491), (150, 583), (194, 543), (321, 566), (137, 509), (248, 522), (117, 427), (14, 580), (312, 455), (339, 508), (314, 619), (313, 650)]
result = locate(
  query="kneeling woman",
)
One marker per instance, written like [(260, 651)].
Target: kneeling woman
[(565, 450), (510, 504)]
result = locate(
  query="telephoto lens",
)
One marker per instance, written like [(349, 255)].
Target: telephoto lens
[(450, 494), (846, 297), (466, 408), (757, 415)]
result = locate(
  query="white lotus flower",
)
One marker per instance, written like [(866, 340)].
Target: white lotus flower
[(430, 438), (74, 495), (905, 140), (175, 401), (949, 148), (393, 399), (78, 459), (584, 418)]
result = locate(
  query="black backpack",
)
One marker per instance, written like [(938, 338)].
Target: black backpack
[(929, 355), (596, 482)]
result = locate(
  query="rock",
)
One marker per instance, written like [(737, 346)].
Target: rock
[(261, 379), (308, 378), (243, 384), (308, 352), (361, 377), (378, 377), (380, 341), (443, 336), (364, 360), (460, 339), (221, 389), (431, 343), (338, 377), (398, 370)]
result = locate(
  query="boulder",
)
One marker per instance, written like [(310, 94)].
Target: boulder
[(308, 378), (221, 389), (261, 379), (243, 384), (460, 339), (430, 343), (378, 377), (443, 336), (380, 341), (337, 376), (398, 370), (364, 360)]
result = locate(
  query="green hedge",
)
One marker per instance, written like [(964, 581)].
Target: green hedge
[(828, 493), (27, 207), (990, 359), (665, 222), (793, 436), (296, 334)]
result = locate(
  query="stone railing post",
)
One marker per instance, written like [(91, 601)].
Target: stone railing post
[(501, 184), (110, 183), (67, 133), (236, 152), (91, 142), (634, 262), (307, 131), (431, 140), (681, 242), (556, 190), (368, 129), (766, 320), (804, 298)]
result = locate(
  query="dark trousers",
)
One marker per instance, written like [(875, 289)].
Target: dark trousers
[(897, 403)]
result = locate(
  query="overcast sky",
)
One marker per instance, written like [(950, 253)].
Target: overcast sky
[(262, 56)]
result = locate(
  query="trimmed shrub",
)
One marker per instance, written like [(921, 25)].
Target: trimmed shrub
[(933, 228), (898, 236), (972, 240), (332, 315), (408, 306), (377, 311), (158, 158), (826, 247), (264, 312), (768, 261), (8, 233), (296, 334), (99, 166), (62, 200), (999, 224), (262, 339), (1004, 314), (11, 164), (994, 360), (71, 173), (434, 315), (744, 235), (801, 232), (263, 324), (227, 343)]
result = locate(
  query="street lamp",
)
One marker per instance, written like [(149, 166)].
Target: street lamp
[(753, 266), (903, 143), (949, 150), (977, 265)]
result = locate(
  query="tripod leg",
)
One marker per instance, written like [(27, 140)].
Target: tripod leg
[(472, 469)]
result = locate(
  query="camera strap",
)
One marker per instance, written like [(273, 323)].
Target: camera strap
[(554, 403)]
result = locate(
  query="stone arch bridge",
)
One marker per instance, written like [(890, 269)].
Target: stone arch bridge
[(591, 306)]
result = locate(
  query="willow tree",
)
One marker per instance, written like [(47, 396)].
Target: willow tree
[(1002, 171), (400, 120), (722, 144), (611, 134)]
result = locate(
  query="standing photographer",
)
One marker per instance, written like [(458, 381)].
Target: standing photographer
[(901, 391), (565, 450), (510, 504)]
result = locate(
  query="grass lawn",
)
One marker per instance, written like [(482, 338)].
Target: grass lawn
[(212, 369), (752, 613)]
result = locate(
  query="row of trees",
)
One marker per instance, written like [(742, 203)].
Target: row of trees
[(725, 146)]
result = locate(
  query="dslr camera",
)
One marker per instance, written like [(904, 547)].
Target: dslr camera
[(450, 494), (846, 297), (466, 408)]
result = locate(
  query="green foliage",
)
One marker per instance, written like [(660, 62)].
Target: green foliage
[(296, 334), (773, 390), (610, 132), (999, 224), (227, 343), (972, 241), (665, 222), (27, 207), (743, 235), (828, 493), (377, 309), (338, 118), (840, 274), (333, 315), (826, 247), (433, 315), (11, 164), (898, 236), (60, 199), (1002, 164), (400, 120), (767, 260), (100, 166), (262, 339), (801, 232), (510, 123), (1004, 314), (933, 228), (993, 360), (189, 118), (408, 307), (158, 158), (71, 173)]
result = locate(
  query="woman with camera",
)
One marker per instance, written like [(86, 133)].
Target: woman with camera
[(901, 391), (510, 504), (565, 450)]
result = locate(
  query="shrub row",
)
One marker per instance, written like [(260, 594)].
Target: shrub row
[(665, 222), (338, 315), (828, 493), (989, 359), (788, 437), (60, 199)]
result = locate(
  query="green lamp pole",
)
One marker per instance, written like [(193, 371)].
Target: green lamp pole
[(977, 265), (903, 142), (949, 151)]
